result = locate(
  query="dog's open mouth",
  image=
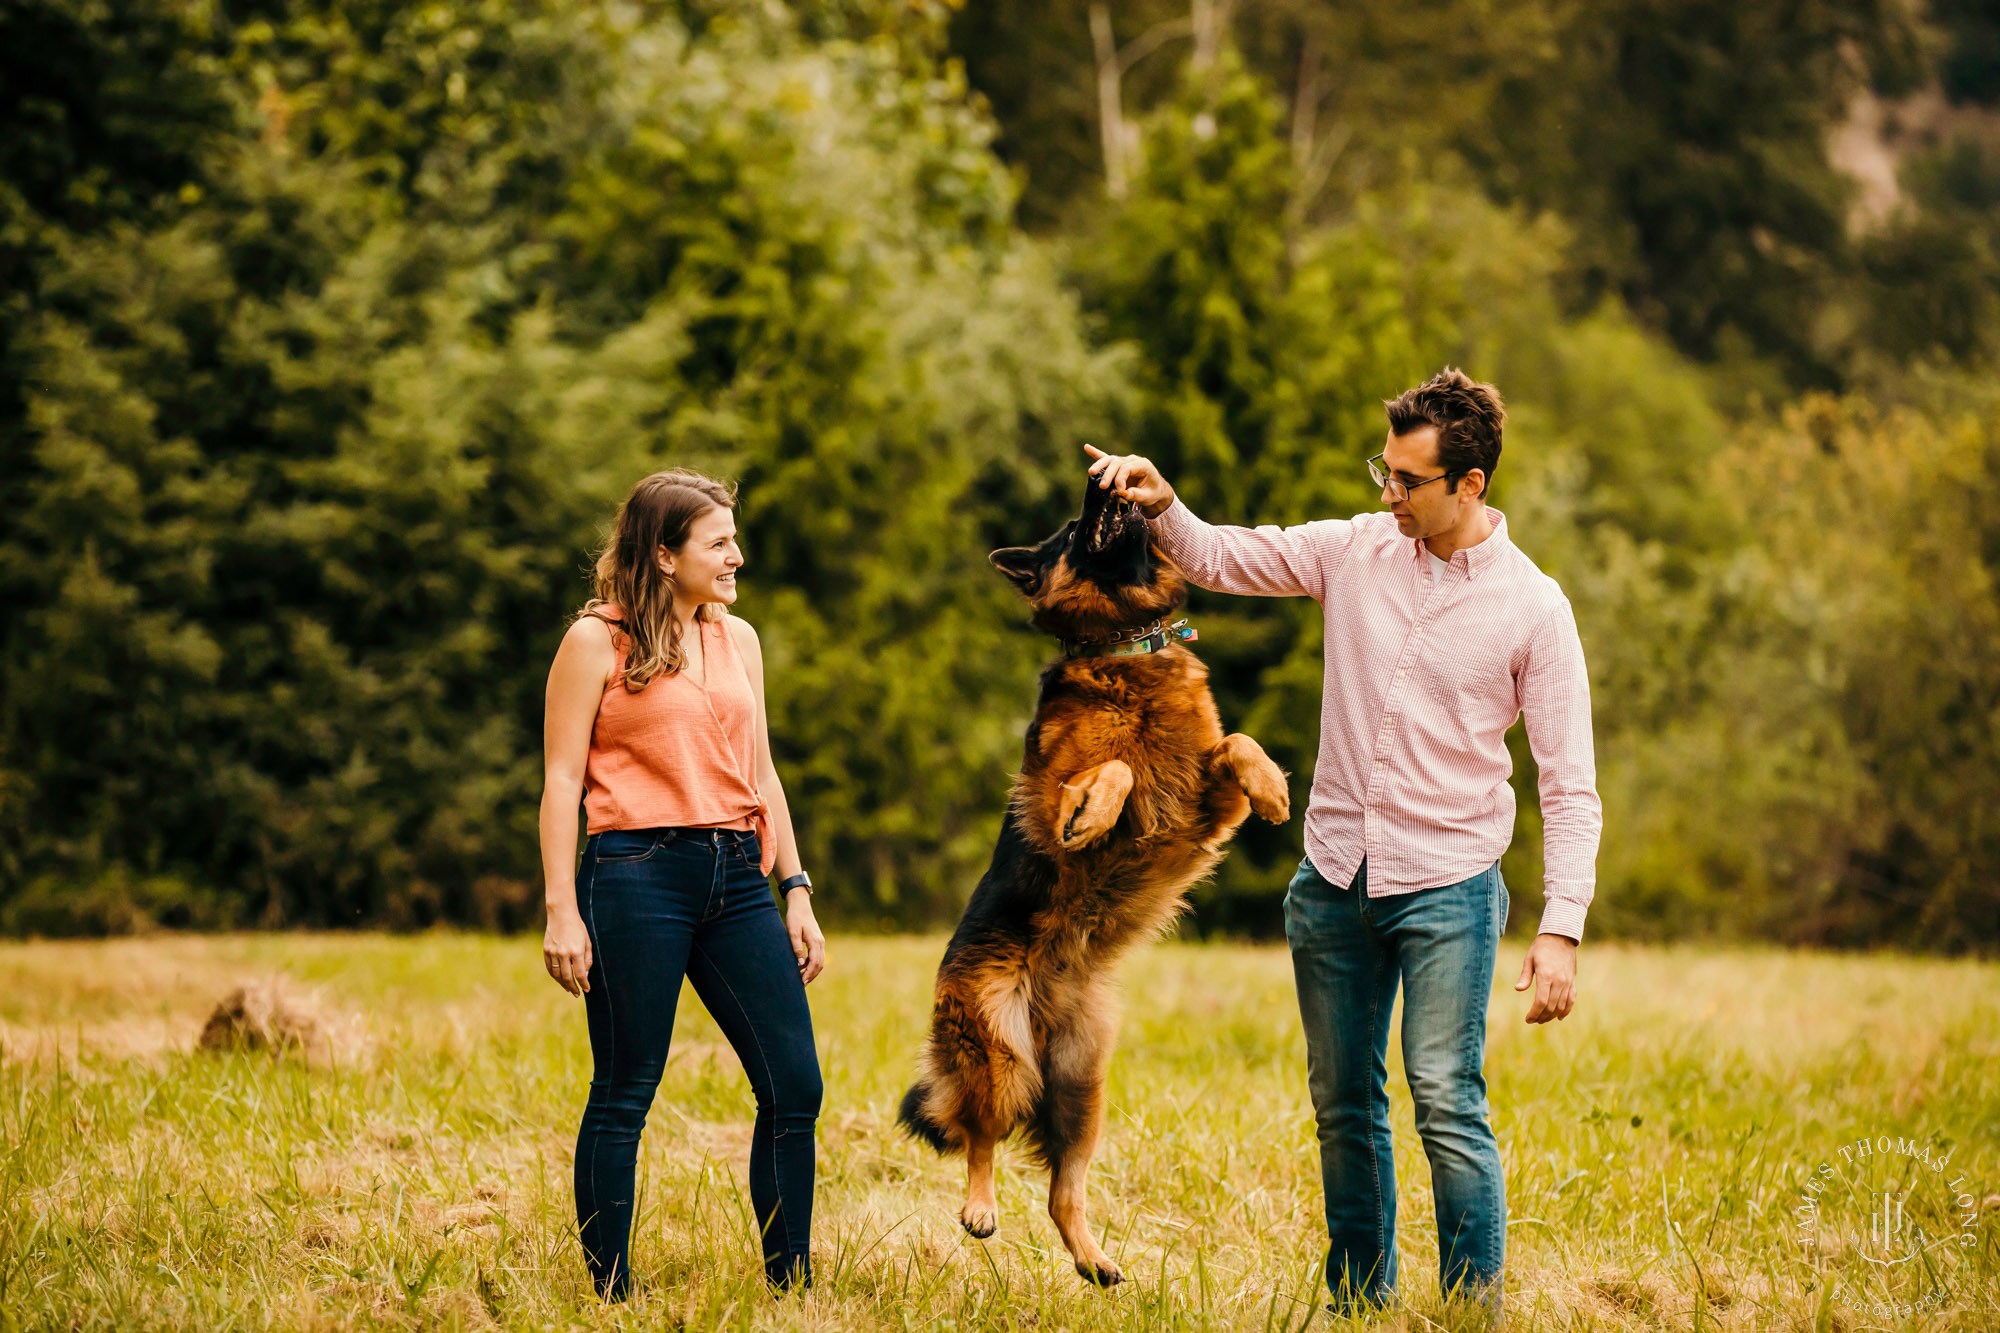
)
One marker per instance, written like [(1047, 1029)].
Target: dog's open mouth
[(1111, 523)]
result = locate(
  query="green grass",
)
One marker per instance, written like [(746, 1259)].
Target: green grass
[(1655, 1145)]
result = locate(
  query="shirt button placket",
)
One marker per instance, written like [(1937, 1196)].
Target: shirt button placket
[(1371, 817), (1378, 779)]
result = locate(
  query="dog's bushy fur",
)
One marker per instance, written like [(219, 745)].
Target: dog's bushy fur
[(1128, 792)]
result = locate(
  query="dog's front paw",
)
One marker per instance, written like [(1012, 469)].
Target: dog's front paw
[(1084, 825), (1261, 779), (1269, 796), (1090, 803)]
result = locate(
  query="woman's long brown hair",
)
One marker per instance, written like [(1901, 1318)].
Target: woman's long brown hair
[(657, 513)]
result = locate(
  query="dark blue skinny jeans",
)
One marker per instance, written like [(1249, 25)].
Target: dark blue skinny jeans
[(1349, 952), (663, 904)]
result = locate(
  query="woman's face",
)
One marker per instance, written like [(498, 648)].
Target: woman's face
[(704, 568)]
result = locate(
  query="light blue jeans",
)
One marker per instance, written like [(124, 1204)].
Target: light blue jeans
[(1348, 952)]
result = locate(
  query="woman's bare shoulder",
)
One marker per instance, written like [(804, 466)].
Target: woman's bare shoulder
[(747, 646), (589, 629), (589, 637)]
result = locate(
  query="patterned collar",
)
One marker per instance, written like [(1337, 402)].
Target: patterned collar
[(1149, 639), (1477, 558)]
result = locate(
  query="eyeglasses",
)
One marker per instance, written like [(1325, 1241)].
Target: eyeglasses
[(1397, 490)]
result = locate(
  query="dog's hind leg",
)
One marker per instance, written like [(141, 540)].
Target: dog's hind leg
[(1070, 1125), (981, 1214), (1004, 1092), (1069, 1190), (1091, 802)]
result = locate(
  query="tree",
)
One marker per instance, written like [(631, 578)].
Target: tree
[(317, 465)]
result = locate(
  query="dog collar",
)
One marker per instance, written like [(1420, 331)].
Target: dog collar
[(1148, 640)]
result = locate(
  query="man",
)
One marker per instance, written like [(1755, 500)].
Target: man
[(1439, 632)]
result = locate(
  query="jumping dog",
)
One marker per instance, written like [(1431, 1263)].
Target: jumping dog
[(1127, 795)]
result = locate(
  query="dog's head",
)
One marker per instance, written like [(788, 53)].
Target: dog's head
[(1098, 575)]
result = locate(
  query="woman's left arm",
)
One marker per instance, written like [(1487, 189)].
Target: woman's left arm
[(808, 944)]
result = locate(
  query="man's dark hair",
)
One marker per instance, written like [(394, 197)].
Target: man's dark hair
[(1468, 416)]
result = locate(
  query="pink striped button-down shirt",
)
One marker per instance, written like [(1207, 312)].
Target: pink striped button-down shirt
[(1424, 674)]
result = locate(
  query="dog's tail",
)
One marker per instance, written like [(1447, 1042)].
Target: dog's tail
[(918, 1122)]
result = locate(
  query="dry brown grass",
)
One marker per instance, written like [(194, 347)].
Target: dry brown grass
[(418, 1175)]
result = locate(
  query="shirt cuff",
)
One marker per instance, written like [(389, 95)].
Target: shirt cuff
[(1564, 916), (1174, 526)]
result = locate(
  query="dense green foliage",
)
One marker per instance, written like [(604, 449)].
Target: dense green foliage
[(311, 463), (331, 332), (1683, 143)]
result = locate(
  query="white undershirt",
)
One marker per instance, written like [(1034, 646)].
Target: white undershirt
[(1438, 567)]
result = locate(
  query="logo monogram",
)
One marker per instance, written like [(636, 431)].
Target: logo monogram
[(1917, 1205), (1885, 1228)]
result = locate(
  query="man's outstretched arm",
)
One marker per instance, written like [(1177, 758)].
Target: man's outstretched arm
[(1261, 562)]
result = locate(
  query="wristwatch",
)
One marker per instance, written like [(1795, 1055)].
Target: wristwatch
[(799, 881)]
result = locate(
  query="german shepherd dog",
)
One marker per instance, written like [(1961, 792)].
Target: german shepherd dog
[(1128, 792)]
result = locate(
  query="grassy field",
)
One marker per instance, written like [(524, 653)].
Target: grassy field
[(416, 1174)]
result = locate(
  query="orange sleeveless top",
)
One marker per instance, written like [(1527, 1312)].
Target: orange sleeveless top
[(680, 753)]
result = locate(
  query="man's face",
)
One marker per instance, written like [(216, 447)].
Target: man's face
[(1427, 510)]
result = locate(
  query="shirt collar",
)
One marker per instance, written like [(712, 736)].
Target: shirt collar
[(1478, 558)]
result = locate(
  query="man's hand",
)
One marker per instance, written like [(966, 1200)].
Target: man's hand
[(1551, 966), (1133, 478)]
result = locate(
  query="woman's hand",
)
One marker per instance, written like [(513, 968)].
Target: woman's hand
[(808, 945), (566, 950)]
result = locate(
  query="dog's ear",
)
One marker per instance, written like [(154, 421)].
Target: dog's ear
[(1022, 564)]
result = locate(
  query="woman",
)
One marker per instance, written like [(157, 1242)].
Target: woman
[(656, 724)]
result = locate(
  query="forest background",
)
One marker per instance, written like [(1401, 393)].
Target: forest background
[(332, 331)]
